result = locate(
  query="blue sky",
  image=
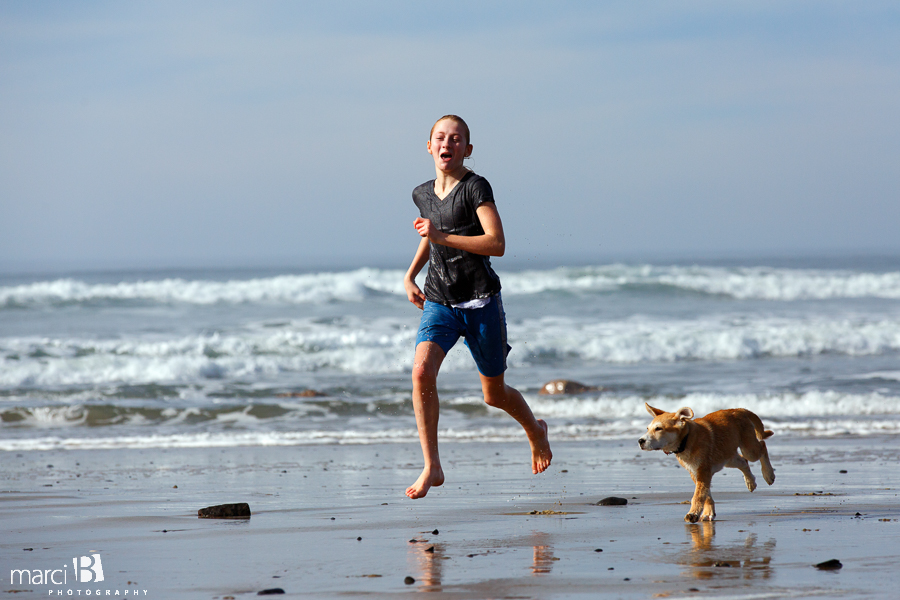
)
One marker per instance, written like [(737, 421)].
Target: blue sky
[(154, 134)]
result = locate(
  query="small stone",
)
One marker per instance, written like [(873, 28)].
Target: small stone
[(613, 501), (409, 580), (829, 565), (414, 541), (239, 510), (842, 471), (174, 487), (430, 549), (435, 532), (598, 550), (332, 518), (564, 471), (270, 592), (359, 539)]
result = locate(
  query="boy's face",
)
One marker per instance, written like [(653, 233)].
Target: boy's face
[(448, 146)]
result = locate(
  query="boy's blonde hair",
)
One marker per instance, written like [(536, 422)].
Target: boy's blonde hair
[(459, 121)]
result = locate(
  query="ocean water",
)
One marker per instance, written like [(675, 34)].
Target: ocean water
[(217, 359)]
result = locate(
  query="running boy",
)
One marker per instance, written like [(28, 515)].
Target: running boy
[(460, 229)]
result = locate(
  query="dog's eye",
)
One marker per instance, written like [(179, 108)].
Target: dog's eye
[(657, 428)]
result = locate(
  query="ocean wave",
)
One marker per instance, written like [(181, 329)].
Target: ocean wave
[(764, 283), (350, 286), (725, 337), (298, 413), (385, 346), (610, 430), (780, 406)]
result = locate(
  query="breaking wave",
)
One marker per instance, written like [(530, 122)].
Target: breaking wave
[(763, 283)]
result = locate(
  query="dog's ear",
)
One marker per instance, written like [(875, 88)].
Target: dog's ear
[(684, 413), (653, 411)]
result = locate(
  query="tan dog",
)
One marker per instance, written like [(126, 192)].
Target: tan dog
[(705, 445)]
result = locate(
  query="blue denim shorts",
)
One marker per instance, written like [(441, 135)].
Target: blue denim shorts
[(484, 330)]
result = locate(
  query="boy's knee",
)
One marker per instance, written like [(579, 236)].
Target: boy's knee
[(495, 397), (423, 373)]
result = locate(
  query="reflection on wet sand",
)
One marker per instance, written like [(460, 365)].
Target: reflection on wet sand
[(739, 561), (543, 558), (428, 561)]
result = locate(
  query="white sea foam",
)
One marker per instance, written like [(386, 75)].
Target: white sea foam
[(728, 337), (781, 406), (765, 283), (625, 429), (290, 289), (359, 346)]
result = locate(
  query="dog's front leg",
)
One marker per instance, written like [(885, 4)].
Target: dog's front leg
[(702, 505)]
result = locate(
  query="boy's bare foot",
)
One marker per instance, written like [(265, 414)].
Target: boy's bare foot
[(428, 479), (540, 449)]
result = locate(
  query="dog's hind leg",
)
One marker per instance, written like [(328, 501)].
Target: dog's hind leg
[(739, 462), (768, 472)]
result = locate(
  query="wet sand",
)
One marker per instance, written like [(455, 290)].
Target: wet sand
[(137, 509)]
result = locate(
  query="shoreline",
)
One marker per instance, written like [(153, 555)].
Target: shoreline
[(311, 503)]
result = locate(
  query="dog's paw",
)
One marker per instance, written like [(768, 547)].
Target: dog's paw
[(691, 517), (751, 484), (708, 517), (770, 479)]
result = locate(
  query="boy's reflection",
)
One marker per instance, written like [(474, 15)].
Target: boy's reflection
[(428, 561), (543, 559)]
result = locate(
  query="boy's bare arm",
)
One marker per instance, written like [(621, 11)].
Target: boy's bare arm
[(491, 243), (413, 293)]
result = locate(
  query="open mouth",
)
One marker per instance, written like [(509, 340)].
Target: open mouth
[(446, 155)]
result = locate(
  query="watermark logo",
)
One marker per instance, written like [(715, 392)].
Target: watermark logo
[(87, 569), (91, 570)]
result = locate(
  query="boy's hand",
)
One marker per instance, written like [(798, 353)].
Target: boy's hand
[(414, 294)]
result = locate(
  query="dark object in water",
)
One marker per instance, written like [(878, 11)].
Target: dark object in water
[(565, 386), (240, 510), (613, 501), (829, 565), (270, 592)]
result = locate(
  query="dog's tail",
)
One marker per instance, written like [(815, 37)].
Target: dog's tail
[(761, 432)]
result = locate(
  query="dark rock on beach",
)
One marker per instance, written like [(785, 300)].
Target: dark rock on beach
[(613, 501), (829, 565), (270, 592), (565, 386), (240, 510), (409, 580)]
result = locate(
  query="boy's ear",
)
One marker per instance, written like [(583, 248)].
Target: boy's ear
[(684, 413), (468, 152), (654, 411)]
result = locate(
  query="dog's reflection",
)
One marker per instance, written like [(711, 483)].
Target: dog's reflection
[(428, 561), (542, 558), (739, 561)]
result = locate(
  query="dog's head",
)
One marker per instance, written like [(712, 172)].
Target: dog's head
[(666, 430)]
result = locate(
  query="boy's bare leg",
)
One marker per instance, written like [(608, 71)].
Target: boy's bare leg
[(502, 396), (429, 357)]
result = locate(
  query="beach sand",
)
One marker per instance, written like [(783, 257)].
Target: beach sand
[(472, 538)]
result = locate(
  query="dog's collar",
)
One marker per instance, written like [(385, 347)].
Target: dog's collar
[(682, 446)]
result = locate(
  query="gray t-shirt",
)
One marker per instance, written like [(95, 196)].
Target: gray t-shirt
[(456, 276)]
